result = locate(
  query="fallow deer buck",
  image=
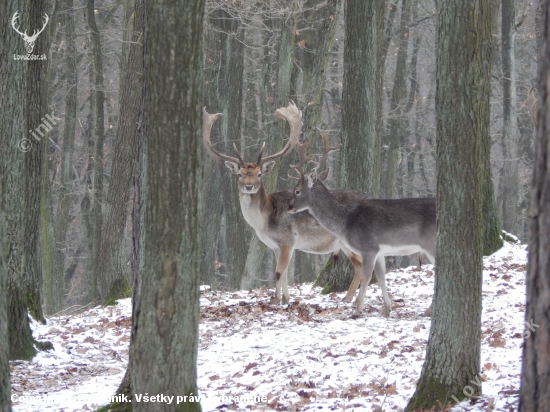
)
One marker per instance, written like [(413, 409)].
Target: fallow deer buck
[(268, 214), (370, 228)]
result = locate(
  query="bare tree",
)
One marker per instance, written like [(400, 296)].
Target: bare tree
[(166, 316), (463, 54), (535, 374)]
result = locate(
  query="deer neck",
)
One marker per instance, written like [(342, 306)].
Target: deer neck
[(254, 207), (327, 210)]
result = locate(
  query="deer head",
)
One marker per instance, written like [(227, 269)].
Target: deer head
[(29, 40), (250, 174), (306, 183)]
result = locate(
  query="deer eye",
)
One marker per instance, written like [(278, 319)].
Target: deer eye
[(259, 175), (240, 174), (296, 192)]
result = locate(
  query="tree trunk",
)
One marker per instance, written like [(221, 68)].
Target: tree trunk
[(361, 116), (362, 95), (535, 374), (11, 106), (166, 316), (398, 95), (24, 91), (225, 96), (55, 286), (113, 275), (98, 134), (508, 182), (463, 62)]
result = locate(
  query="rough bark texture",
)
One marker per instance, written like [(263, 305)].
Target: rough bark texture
[(98, 134), (166, 316), (113, 275), (463, 56), (361, 116), (23, 97), (362, 95), (535, 375), (5, 384), (6, 103)]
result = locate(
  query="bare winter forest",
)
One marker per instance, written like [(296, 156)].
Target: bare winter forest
[(115, 183)]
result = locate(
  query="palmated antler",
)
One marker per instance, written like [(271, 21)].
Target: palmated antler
[(290, 113), (326, 149), (293, 116)]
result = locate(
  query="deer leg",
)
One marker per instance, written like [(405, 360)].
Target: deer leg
[(281, 280), (367, 260), (356, 262), (380, 271)]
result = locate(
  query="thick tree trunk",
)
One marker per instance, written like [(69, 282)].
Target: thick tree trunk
[(5, 384), (24, 90), (462, 99), (361, 116), (112, 273), (166, 316), (362, 95), (11, 128), (98, 134), (535, 374)]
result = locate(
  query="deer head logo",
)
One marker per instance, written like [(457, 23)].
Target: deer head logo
[(29, 40)]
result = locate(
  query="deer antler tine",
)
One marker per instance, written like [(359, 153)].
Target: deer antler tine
[(326, 148), (259, 161), (207, 122), (238, 153)]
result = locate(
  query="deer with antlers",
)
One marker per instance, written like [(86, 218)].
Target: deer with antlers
[(370, 228), (268, 214)]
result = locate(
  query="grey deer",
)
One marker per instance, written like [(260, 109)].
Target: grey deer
[(370, 228), (268, 214)]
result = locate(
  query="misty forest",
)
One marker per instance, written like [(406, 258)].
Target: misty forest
[(173, 152)]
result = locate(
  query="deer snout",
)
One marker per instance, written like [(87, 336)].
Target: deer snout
[(291, 208), (248, 187)]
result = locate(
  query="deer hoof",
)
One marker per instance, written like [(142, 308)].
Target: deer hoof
[(386, 313)]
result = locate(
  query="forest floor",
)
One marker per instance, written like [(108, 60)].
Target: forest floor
[(308, 355)]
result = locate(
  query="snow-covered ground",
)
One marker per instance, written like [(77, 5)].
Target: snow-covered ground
[(309, 355)]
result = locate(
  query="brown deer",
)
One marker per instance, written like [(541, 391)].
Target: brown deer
[(268, 214), (370, 228)]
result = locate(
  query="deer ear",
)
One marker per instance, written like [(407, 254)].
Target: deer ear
[(234, 167), (268, 167), (311, 178), (323, 175)]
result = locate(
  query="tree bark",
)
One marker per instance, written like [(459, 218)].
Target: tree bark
[(112, 273), (361, 116), (508, 182), (463, 63), (225, 67), (166, 316), (98, 134), (535, 374), (398, 95)]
